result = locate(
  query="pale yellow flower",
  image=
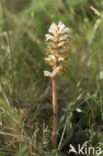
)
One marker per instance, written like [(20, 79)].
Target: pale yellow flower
[(47, 73), (50, 60)]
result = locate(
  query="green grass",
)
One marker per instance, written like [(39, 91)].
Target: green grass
[(25, 94)]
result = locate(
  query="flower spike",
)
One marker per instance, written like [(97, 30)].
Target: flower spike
[(57, 40)]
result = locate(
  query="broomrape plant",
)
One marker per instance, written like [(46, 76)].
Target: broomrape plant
[(57, 40)]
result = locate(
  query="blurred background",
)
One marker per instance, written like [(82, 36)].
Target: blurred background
[(25, 103)]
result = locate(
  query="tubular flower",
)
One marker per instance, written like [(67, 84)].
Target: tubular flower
[(57, 40)]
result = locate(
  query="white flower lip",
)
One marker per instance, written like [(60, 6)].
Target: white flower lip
[(66, 30), (47, 73), (64, 37), (61, 26), (53, 28), (50, 58), (49, 37), (61, 43)]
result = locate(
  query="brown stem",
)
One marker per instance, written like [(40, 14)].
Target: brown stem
[(55, 107), (55, 112)]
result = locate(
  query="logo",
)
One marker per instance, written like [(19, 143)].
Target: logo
[(85, 150)]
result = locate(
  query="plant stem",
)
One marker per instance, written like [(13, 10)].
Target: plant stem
[(55, 112), (55, 107)]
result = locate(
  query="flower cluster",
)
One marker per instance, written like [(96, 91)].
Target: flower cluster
[(57, 41)]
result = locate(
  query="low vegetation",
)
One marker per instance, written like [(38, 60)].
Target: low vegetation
[(25, 94)]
